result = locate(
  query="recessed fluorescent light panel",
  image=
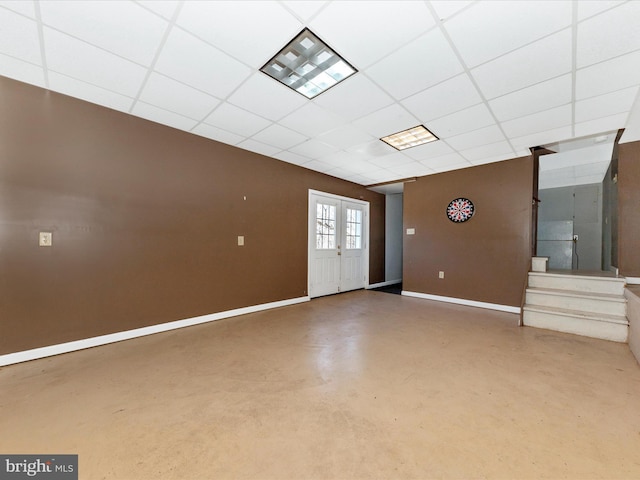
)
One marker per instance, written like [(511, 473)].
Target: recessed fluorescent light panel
[(410, 138), (308, 65)]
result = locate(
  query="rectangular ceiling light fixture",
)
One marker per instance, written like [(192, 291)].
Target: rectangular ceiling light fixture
[(411, 137), (308, 65)]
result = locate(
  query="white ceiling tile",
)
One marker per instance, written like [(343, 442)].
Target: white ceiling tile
[(443, 99), (89, 93), (461, 122), (422, 63), (525, 66), (176, 97), (536, 98), (388, 120), (541, 138), (356, 97), (538, 122), (193, 62), (236, 120), (340, 172), (164, 8), (616, 74), (217, 134), (358, 178), (318, 166), (267, 97), (164, 117), (314, 149), (123, 28), (23, 7), (279, 136), (448, 8), (344, 24), (258, 147), (600, 125), (391, 160), (90, 64), (605, 105), (311, 120), (582, 157), (428, 150), (234, 27), (358, 166), (413, 169), (480, 32), (340, 159), (610, 34), (587, 9), (22, 71), (19, 37), (290, 157), (482, 136), (379, 175), (374, 148), (442, 162), (488, 153), (452, 166), (304, 10), (345, 137)]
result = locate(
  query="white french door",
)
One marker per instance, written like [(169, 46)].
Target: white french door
[(338, 244)]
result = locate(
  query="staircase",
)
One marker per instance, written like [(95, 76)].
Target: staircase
[(592, 306)]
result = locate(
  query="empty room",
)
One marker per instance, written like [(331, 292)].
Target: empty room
[(319, 239)]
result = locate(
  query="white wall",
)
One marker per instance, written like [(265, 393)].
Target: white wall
[(393, 237)]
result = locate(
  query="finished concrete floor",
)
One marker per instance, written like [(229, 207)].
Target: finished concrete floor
[(359, 385)]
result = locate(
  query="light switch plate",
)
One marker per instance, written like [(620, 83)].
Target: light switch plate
[(411, 231), (45, 239), (240, 241)]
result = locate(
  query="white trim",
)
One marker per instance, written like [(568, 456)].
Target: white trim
[(462, 301), (632, 280), (51, 350), (384, 284)]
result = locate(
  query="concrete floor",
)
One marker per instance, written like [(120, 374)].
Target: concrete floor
[(360, 385)]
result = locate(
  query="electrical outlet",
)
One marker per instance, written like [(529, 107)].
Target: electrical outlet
[(240, 241), (45, 239), (575, 238), (440, 274)]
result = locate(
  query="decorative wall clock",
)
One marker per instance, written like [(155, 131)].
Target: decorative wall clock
[(460, 210)]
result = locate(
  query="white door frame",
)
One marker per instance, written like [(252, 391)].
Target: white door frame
[(311, 217)]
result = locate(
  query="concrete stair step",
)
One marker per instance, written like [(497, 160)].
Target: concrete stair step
[(595, 325), (604, 303), (583, 283)]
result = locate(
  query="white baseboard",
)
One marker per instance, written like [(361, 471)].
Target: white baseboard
[(632, 280), (42, 352), (384, 284), (462, 301)]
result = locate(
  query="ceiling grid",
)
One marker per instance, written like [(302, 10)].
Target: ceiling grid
[(490, 79)]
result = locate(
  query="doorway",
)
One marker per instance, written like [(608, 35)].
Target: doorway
[(573, 209), (338, 244)]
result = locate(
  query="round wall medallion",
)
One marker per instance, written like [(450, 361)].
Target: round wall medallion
[(460, 210)]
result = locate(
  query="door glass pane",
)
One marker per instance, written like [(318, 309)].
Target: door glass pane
[(325, 226), (354, 229)]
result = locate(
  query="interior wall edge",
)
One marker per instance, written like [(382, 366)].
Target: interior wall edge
[(463, 301), (67, 347)]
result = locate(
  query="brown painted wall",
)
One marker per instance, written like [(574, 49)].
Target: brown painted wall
[(484, 259), (629, 209), (145, 221)]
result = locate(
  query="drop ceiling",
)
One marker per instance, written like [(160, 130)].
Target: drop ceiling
[(489, 78)]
